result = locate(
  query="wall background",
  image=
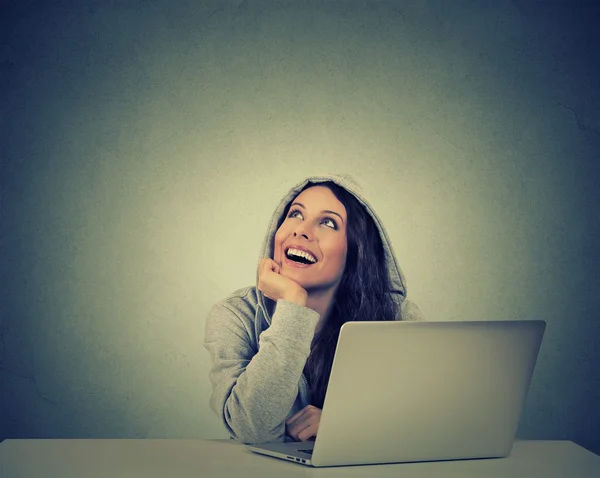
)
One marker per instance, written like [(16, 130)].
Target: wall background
[(146, 144)]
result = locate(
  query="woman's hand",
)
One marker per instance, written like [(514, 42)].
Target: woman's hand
[(305, 424), (275, 286)]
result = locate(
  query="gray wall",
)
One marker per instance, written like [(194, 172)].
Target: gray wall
[(145, 147)]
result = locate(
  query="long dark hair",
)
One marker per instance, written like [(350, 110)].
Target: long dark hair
[(364, 293)]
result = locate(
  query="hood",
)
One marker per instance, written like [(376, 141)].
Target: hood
[(395, 273)]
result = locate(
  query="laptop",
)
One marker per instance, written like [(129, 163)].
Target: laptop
[(421, 391)]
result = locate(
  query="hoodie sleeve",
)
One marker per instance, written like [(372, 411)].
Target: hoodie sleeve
[(254, 390), (410, 311)]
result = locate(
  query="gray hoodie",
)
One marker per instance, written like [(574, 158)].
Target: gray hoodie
[(259, 348)]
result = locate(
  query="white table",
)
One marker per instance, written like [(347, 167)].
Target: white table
[(226, 458)]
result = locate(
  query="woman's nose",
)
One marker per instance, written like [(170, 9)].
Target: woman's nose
[(303, 231)]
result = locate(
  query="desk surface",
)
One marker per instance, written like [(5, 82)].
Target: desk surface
[(225, 458)]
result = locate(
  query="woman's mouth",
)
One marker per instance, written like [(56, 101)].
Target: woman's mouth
[(293, 263), (296, 257)]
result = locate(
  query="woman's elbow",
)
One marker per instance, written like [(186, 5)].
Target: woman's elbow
[(254, 435), (257, 438)]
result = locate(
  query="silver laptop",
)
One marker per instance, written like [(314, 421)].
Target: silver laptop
[(421, 391)]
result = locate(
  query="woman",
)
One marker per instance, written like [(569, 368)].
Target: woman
[(326, 260)]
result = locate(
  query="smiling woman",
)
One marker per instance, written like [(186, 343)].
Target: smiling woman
[(311, 245), (326, 260)]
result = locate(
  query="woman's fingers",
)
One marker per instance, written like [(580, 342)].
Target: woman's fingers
[(297, 415), (304, 424), (276, 286), (267, 265), (265, 268), (309, 432), (304, 429), (273, 266)]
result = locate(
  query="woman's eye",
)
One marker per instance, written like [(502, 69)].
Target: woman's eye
[(331, 223), (326, 221)]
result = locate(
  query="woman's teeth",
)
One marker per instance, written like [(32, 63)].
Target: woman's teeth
[(294, 254)]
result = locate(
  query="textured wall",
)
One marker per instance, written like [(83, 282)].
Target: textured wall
[(145, 146)]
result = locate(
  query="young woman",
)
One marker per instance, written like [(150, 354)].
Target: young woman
[(326, 260)]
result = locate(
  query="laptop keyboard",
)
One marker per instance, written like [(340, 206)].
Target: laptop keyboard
[(306, 451)]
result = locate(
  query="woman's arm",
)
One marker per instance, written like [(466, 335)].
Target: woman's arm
[(254, 390)]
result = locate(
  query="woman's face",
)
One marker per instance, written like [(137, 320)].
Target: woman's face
[(315, 226)]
